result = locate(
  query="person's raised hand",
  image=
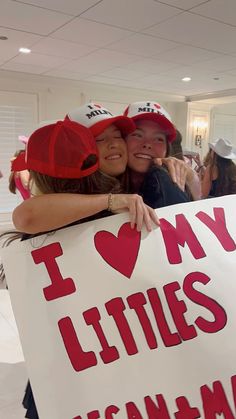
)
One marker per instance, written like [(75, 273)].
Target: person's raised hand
[(177, 169), (140, 213)]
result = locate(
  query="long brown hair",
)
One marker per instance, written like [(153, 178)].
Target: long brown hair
[(226, 175), (176, 147), (96, 183)]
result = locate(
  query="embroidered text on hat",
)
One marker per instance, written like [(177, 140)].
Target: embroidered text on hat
[(97, 119), (155, 112)]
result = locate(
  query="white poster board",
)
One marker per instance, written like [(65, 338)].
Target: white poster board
[(117, 324)]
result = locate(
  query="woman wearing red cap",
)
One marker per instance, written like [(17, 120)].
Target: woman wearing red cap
[(63, 158), (109, 132), (149, 144)]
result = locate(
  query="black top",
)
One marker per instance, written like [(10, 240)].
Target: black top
[(214, 185), (158, 190)]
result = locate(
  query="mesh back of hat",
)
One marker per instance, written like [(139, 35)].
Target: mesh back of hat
[(60, 150)]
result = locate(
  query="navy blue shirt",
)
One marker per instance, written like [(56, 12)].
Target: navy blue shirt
[(158, 190)]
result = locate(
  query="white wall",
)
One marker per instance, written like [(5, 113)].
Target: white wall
[(57, 96), (225, 109)]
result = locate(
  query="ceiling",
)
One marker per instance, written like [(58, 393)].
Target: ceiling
[(146, 44)]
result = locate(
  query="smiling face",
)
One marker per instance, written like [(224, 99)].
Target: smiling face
[(112, 151), (145, 143)]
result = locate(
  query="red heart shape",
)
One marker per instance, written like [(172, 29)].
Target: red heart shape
[(119, 252)]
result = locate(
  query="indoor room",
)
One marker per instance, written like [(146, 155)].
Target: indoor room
[(175, 57)]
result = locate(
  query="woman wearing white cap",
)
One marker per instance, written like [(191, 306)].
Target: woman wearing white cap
[(149, 146), (109, 132), (220, 174)]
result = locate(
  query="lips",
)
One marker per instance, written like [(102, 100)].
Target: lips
[(113, 157), (143, 156)]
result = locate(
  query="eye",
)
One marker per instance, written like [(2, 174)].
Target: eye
[(160, 140), (99, 140), (117, 134), (136, 134)]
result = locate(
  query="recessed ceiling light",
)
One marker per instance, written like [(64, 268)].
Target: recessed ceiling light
[(25, 50), (186, 79), (3, 38)]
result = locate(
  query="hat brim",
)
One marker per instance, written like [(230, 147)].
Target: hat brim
[(123, 123), (19, 163), (230, 156), (162, 121)]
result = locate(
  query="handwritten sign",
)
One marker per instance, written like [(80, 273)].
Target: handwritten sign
[(120, 324)]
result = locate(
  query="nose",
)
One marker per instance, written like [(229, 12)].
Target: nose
[(112, 142), (147, 144)]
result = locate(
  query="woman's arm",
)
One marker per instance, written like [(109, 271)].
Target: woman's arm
[(194, 184), (52, 211)]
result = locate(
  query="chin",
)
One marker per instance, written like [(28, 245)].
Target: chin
[(141, 169), (116, 171)]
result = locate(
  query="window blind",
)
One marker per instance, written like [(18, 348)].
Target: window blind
[(18, 116)]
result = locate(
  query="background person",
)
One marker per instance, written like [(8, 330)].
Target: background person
[(220, 175), (193, 177)]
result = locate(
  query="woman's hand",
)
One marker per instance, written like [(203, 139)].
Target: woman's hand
[(177, 169), (140, 213), (194, 184), (182, 174)]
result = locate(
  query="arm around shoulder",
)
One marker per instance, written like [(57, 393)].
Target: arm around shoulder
[(52, 211)]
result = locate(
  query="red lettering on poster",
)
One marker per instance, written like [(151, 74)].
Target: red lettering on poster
[(132, 411), (220, 317), (178, 308), (108, 353), (137, 302), (157, 410), (116, 308), (60, 287), (169, 339), (218, 227), (215, 402), (79, 359), (110, 411), (178, 236), (185, 410)]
